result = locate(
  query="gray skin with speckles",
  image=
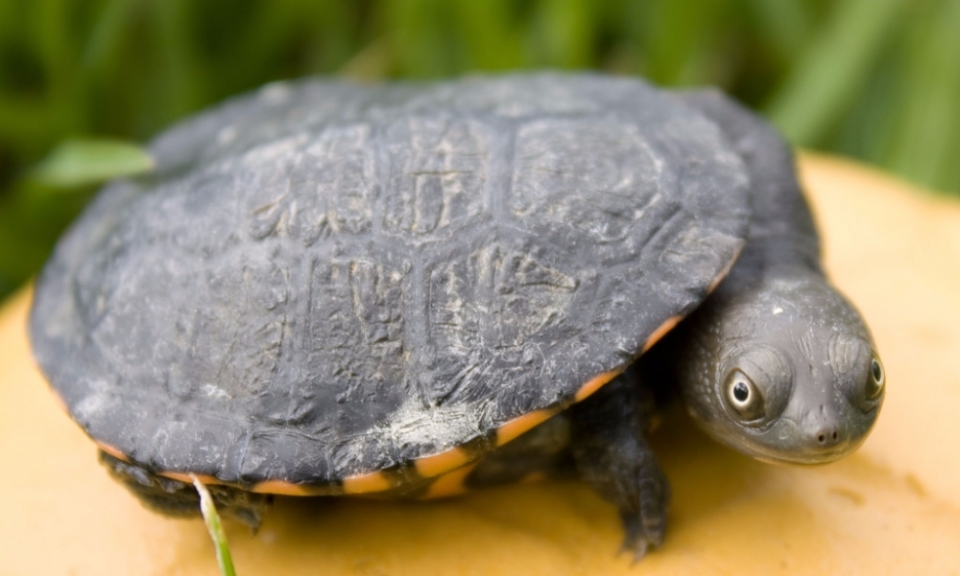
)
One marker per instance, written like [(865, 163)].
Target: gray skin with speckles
[(323, 280)]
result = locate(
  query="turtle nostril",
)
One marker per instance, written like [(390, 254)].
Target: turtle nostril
[(828, 437)]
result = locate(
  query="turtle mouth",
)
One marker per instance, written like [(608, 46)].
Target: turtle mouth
[(803, 456), (782, 441)]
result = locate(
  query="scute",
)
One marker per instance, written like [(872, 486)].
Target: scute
[(438, 168), (323, 281), (585, 174), (484, 310)]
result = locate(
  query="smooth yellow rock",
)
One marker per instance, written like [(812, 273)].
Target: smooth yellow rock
[(894, 507)]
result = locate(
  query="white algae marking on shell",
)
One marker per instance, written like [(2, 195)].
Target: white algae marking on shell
[(410, 425), (227, 135), (94, 402)]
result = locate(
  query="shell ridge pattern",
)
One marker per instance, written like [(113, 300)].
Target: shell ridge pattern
[(353, 279), (303, 329), (430, 395), (501, 180)]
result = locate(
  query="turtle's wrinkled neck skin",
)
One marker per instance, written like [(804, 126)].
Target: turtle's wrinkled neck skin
[(776, 363)]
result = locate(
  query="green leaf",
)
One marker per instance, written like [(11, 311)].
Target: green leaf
[(77, 163), (212, 520)]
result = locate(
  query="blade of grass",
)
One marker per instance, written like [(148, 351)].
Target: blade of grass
[(926, 143), (784, 24), (418, 33), (370, 64), (25, 121), (500, 50), (566, 29), (339, 30), (676, 36), (52, 40), (181, 76), (212, 520), (107, 33), (833, 70)]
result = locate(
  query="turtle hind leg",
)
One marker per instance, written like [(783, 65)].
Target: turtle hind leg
[(613, 456), (179, 499)]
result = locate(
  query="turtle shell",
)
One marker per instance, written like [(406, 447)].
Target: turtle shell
[(324, 282)]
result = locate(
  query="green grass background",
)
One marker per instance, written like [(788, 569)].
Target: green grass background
[(877, 80)]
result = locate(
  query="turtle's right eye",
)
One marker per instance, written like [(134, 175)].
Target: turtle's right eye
[(743, 396)]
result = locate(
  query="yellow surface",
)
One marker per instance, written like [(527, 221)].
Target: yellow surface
[(894, 507)]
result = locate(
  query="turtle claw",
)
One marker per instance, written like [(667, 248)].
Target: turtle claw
[(642, 534), (638, 549)]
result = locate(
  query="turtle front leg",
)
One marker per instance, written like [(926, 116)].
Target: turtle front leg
[(612, 455)]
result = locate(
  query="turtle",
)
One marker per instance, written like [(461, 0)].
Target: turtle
[(410, 289)]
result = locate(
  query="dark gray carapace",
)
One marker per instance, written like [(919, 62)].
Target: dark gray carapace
[(326, 280)]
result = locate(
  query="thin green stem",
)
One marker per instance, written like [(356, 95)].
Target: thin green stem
[(212, 520)]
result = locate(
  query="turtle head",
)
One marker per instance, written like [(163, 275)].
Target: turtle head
[(785, 371)]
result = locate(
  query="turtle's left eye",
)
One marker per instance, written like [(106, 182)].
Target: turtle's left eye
[(876, 380), (743, 396)]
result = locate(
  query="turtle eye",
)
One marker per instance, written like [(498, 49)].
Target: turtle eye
[(876, 380), (743, 396)]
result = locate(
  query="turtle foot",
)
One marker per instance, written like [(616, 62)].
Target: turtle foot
[(643, 512), (613, 456)]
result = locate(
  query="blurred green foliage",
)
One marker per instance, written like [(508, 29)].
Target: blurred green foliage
[(874, 79)]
